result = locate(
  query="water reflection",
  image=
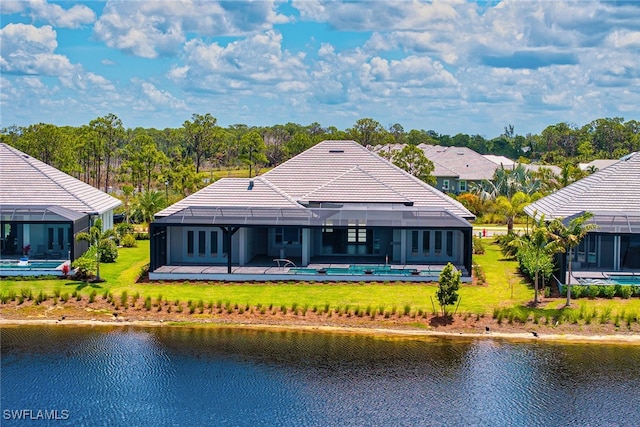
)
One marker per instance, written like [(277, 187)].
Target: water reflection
[(224, 376)]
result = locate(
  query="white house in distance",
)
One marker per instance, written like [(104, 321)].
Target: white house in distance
[(612, 194), (334, 212), (42, 209)]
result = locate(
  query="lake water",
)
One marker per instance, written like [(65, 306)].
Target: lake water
[(116, 376)]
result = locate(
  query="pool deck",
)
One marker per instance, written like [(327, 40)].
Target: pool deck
[(428, 273), (29, 270)]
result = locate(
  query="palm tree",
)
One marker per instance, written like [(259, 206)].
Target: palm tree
[(537, 249), (148, 204), (98, 238), (569, 236), (511, 207)]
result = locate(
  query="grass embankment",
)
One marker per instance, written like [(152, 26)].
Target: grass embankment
[(502, 301)]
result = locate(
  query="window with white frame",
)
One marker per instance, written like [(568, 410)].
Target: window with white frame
[(462, 186)]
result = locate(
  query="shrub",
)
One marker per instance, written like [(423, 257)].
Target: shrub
[(92, 296), (592, 292), (109, 251), (124, 229), (481, 278), (577, 291), (124, 298), (128, 241), (625, 292), (85, 265), (608, 291), (478, 246)]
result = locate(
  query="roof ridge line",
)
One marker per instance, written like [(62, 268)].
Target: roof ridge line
[(332, 180), (428, 187), (277, 189)]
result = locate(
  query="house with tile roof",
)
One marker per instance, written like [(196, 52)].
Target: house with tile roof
[(612, 194), (42, 209), (336, 209), (456, 168)]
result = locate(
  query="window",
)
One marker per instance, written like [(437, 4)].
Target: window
[(449, 243), (357, 235), (214, 243), (463, 186), (426, 244), (202, 242), (288, 235), (445, 185), (414, 242), (50, 238), (61, 238), (438, 243), (190, 242)]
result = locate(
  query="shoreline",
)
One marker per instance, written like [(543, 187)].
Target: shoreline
[(390, 332)]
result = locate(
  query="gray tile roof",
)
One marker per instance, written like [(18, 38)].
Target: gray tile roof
[(235, 192), (615, 188), (331, 171), (465, 163), (26, 181)]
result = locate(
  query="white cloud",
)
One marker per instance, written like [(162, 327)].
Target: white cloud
[(160, 98), (26, 49), (257, 60), (55, 15), (159, 28), (624, 39)]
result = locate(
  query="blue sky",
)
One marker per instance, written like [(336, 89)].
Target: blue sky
[(449, 66)]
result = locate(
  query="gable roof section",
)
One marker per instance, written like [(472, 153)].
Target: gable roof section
[(322, 163), (26, 181), (340, 190), (613, 189), (256, 192)]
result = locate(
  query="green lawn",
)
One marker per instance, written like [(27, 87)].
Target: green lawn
[(504, 289)]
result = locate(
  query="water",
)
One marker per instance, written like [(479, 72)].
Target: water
[(46, 265), (222, 376), (356, 269)]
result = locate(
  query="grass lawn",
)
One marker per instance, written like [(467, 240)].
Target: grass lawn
[(504, 289)]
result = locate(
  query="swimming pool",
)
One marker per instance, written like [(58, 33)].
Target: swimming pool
[(625, 280), (32, 265), (358, 270)]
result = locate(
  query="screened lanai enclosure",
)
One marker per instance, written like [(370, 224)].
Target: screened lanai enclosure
[(41, 232), (614, 246), (387, 234)]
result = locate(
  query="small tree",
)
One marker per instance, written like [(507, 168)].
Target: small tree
[(100, 240), (535, 253), (413, 160), (449, 283), (568, 237)]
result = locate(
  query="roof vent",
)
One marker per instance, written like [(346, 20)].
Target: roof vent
[(336, 151), (250, 187)]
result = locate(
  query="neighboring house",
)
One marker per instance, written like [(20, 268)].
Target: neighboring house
[(613, 196), (456, 168), (597, 164), (42, 209), (334, 204)]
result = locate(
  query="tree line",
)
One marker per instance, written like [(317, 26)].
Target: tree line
[(109, 156)]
